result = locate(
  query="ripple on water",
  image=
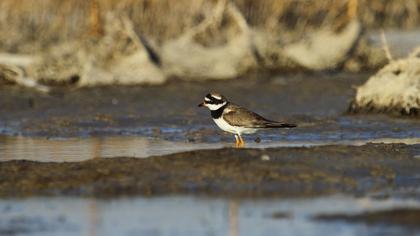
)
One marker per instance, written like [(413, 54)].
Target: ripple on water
[(79, 149), (200, 216)]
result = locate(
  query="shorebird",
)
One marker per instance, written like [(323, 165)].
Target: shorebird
[(236, 119)]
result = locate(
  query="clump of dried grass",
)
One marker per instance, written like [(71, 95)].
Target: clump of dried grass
[(117, 57), (31, 25), (393, 89), (214, 40)]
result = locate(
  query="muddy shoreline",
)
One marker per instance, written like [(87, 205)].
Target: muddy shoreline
[(276, 172), (401, 216), (112, 110), (282, 173), (317, 102)]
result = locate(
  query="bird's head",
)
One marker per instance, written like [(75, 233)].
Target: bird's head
[(213, 101)]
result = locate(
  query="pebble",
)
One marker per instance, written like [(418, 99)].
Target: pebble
[(265, 157)]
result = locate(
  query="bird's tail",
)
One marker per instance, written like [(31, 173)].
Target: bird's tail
[(273, 124)]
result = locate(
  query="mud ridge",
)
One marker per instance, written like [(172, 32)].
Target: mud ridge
[(280, 172), (400, 216)]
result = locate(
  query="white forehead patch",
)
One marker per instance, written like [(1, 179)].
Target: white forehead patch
[(216, 96), (206, 99)]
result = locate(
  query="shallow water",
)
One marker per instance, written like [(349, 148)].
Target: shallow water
[(192, 216), (74, 125), (146, 139), (80, 149), (131, 121), (400, 42)]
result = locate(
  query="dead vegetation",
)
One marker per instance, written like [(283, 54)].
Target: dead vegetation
[(394, 89), (31, 25), (89, 43)]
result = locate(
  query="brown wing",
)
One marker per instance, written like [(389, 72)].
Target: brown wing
[(239, 116)]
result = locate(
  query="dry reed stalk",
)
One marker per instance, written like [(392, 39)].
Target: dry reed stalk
[(16, 75), (352, 6), (385, 46), (95, 19)]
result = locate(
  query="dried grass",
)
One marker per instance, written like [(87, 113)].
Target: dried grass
[(31, 25), (393, 89)]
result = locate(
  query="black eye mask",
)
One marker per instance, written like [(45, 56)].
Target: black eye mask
[(213, 100)]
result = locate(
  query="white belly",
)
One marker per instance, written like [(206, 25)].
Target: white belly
[(233, 129)]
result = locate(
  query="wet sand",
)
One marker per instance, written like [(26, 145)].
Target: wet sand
[(281, 172)]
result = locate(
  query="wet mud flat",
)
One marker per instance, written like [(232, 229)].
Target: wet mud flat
[(284, 182), (151, 110), (316, 102), (273, 172), (407, 217)]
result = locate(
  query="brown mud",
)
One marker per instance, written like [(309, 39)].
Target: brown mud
[(401, 216), (277, 96), (154, 118), (277, 172), (317, 102)]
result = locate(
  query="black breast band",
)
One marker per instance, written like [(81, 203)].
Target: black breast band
[(216, 114)]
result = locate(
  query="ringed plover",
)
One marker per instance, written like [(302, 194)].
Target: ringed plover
[(237, 120)]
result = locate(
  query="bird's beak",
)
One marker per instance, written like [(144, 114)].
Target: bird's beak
[(201, 104)]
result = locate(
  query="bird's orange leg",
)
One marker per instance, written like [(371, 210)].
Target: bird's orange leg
[(241, 141), (237, 141)]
